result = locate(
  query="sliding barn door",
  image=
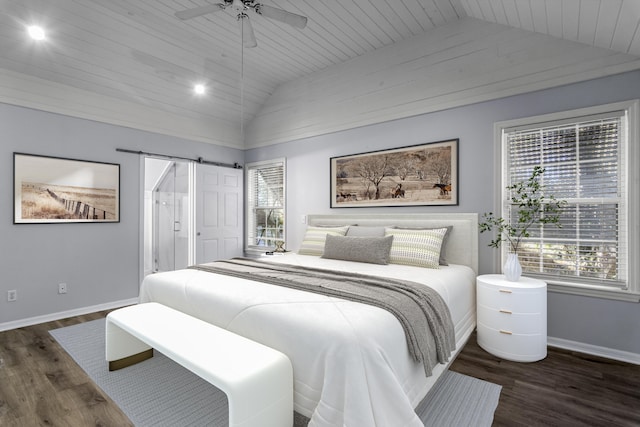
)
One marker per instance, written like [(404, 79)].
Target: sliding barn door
[(219, 212)]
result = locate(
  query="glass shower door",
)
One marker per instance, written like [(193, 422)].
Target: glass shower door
[(170, 219)]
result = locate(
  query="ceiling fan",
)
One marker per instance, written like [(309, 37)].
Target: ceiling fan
[(240, 7)]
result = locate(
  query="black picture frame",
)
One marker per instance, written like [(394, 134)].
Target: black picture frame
[(62, 190), (416, 175)]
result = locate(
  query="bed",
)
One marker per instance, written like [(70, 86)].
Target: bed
[(351, 362)]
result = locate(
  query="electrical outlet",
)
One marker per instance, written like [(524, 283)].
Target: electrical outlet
[(62, 288), (12, 295)]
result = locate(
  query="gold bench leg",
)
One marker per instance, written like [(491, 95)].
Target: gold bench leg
[(114, 365)]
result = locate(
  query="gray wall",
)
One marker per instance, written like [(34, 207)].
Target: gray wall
[(35, 258), (99, 262), (599, 322)]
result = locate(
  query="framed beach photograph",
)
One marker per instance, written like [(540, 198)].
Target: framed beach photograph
[(59, 190), (418, 175)]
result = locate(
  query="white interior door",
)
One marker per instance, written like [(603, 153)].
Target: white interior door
[(219, 210)]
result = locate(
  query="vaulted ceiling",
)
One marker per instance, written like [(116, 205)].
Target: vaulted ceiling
[(134, 63)]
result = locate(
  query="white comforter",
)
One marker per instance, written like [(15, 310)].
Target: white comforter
[(350, 361)]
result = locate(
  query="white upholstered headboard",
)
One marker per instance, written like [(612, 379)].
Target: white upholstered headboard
[(462, 244)]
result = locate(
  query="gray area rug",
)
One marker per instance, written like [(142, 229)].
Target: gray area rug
[(160, 392)]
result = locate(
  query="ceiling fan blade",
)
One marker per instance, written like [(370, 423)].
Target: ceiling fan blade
[(248, 37), (198, 11), (297, 21)]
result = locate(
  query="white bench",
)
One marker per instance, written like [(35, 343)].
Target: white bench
[(257, 380)]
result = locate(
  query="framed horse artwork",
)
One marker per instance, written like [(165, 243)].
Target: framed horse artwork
[(417, 175)]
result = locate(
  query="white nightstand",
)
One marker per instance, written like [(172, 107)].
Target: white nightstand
[(512, 317)]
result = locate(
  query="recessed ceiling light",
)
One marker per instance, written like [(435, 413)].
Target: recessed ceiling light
[(36, 32), (200, 89)]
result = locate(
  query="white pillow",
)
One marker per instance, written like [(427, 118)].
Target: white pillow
[(314, 239), (420, 248), (365, 231)]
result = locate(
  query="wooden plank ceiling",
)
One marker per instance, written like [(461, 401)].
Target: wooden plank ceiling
[(136, 55)]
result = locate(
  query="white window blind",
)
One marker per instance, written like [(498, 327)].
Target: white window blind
[(584, 162), (265, 203)]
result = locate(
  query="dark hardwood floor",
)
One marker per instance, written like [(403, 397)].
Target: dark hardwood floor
[(40, 385), (565, 389)]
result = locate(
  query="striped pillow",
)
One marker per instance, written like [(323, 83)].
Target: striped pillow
[(443, 249), (420, 248), (314, 239)]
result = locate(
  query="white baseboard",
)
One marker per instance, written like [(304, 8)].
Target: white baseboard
[(64, 314), (609, 353)]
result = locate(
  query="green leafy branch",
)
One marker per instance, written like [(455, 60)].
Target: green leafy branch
[(532, 208)]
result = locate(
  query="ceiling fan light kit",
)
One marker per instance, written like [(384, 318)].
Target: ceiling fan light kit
[(240, 7)]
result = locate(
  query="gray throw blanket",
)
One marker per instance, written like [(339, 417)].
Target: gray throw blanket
[(419, 308)]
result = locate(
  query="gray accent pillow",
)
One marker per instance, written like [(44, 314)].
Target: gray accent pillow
[(374, 250), (443, 249), (365, 231)]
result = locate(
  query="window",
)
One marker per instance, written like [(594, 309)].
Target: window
[(591, 163), (265, 214)]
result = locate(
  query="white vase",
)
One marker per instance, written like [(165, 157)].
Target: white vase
[(512, 269)]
